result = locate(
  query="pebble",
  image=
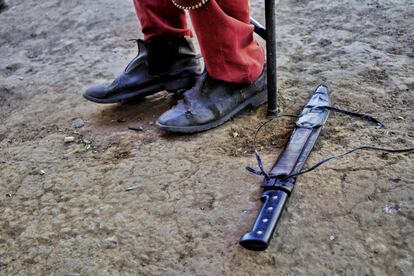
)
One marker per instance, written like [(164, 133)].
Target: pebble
[(78, 123), (65, 230), (389, 209), (136, 128), (111, 242), (144, 257), (402, 87), (332, 237), (42, 172), (69, 139), (235, 134), (131, 188)]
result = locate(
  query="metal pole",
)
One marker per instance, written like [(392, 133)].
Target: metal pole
[(271, 57)]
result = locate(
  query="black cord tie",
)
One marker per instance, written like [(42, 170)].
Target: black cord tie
[(366, 117)]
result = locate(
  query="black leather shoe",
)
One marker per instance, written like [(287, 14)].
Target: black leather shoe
[(161, 64), (211, 103)]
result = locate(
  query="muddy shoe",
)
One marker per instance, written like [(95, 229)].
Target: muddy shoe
[(211, 103), (160, 65)]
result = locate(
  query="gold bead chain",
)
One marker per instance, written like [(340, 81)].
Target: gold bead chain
[(193, 7)]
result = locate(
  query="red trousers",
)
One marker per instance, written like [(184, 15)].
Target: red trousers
[(222, 27)]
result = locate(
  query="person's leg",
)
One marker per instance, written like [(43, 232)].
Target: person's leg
[(235, 77), (166, 60), (160, 18), (226, 40)]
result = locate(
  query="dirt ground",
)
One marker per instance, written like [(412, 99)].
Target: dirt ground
[(65, 208)]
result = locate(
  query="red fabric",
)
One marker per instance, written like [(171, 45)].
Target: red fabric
[(222, 27), (161, 18)]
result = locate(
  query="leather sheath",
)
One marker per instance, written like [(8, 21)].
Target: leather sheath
[(189, 4)]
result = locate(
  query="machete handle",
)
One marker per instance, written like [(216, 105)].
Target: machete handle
[(259, 237)]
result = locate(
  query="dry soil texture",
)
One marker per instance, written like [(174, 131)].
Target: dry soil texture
[(65, 208)]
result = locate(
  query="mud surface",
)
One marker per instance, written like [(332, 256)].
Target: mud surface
[(65, 208)]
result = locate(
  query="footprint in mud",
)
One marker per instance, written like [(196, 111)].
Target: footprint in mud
[(375, 75), (324, 42), (2, 5), (10, 69), (9, 100), (5, 93)]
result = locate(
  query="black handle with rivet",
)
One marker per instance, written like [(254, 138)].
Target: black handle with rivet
[(259, 237)]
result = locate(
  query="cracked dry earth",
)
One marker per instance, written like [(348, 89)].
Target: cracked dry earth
[(66, 208)]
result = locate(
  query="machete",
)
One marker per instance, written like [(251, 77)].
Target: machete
[(281, 180)]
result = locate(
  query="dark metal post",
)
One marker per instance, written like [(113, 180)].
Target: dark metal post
[(271, 57)]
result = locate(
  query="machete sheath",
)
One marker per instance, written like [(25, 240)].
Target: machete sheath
[(279, 184)]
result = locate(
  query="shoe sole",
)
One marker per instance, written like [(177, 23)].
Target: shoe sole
[(254, 102), (171, 86)]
